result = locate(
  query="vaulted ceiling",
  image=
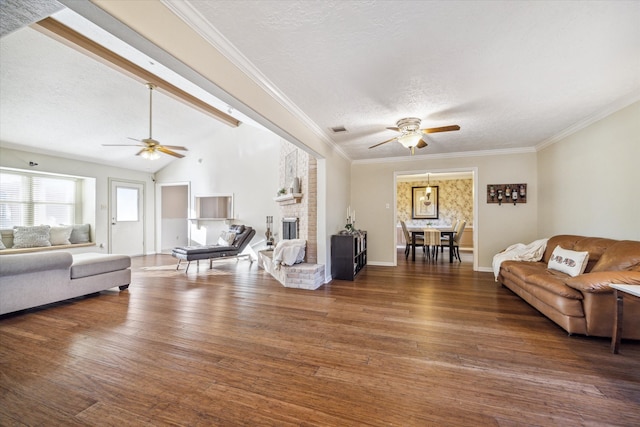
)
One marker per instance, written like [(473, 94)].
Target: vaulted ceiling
[(512, 75)]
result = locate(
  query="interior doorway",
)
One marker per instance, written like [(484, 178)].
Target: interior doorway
[(457, 199), (173, 216)]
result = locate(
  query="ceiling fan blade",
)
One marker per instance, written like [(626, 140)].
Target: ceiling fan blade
[(164, 150), (134, 139), (441, 129), (421, 144), (175, 147), (141, 151), (397, 129), (384, 142)]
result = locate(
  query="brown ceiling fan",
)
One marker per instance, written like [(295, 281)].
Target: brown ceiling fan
[(151, 148), (411, 134)]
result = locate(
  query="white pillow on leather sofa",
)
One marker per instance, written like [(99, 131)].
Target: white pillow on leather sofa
[(570, 262)]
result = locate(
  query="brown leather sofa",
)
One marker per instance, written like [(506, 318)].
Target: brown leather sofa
[(583, 304)]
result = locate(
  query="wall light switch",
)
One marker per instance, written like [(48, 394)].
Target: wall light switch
[(387, 205)]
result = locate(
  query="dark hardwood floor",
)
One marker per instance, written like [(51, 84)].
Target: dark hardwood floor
[(423, 344)]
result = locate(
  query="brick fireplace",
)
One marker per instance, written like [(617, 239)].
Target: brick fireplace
[(304, 209)]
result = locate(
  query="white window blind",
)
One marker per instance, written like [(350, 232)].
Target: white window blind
[(32, 199)]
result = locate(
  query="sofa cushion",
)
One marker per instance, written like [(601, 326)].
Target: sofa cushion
[(566, 241), (31, 263), (524, 268), (90, 264), (241, 238), (623, 255), (596, 246), (567, 261), (80, 233), (554, 283), (31, 236), (599, 282), (202, 249), (59, 235)]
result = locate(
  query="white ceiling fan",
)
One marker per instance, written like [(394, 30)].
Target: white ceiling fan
[(151, 148), (411, 134)]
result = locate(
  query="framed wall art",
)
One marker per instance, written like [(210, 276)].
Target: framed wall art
[(423, 204), (290, 168)]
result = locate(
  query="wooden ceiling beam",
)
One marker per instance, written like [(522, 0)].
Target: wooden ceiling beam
[(77, 41)]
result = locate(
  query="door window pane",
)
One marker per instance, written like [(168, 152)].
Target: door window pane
[(127, 204)]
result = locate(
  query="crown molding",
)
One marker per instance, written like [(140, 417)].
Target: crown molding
[(616, 105), (500, 152), (185, 11)]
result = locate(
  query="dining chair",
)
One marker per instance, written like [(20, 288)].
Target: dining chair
[(444, 240), (456, 239), (407, 238)]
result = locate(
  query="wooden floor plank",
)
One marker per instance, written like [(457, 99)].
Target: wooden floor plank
[(415, 345)]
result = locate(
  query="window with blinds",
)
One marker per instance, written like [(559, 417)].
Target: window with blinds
[(35, 199)]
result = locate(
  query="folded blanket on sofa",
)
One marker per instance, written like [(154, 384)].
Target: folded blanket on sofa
[(520, 252), (289, 252)]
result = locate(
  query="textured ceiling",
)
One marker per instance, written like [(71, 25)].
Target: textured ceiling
[(15, 14), (513, 75)]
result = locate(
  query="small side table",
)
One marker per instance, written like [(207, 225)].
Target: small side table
[(620, 292)]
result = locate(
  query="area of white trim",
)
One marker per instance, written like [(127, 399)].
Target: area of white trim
[(448, 155), (381, 264)]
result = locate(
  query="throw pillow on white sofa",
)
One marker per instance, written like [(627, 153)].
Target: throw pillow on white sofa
[(59, 235), (31, 237)]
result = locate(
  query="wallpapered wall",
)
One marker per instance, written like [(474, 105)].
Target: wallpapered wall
[(455, 201)]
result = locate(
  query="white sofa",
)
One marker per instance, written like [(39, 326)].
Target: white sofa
[(33, 279)]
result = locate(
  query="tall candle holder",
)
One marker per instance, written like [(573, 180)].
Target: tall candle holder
[(351, 225), (351, 220), (268, 234)]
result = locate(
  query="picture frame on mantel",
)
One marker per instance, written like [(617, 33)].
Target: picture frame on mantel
[(290, 168), (421, 208)]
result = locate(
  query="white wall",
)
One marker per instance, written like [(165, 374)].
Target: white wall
[(243, 161), (373, 187), (590, 181), (20, 160)]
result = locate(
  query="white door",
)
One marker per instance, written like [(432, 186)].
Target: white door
[(127, 218)]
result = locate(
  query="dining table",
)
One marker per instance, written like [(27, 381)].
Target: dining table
[(419, 231)]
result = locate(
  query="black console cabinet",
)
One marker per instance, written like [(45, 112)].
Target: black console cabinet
[(348, 255)]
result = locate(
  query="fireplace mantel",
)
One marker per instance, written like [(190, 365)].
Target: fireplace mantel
[(289, 199)]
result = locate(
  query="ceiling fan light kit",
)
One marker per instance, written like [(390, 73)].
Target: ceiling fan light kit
[(149, 154), (411, 135)]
